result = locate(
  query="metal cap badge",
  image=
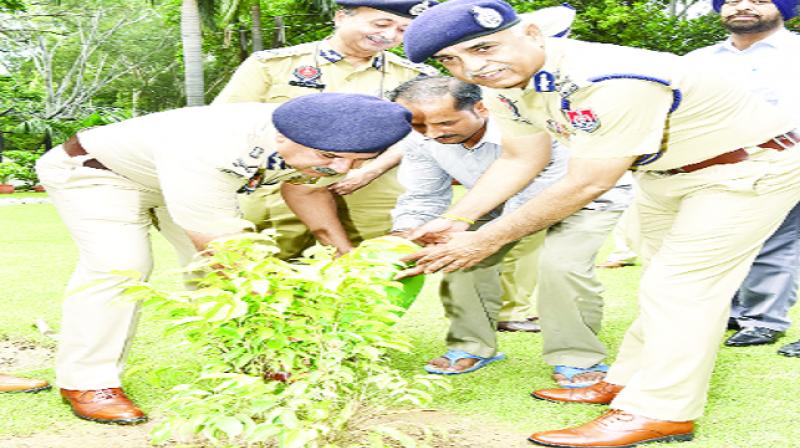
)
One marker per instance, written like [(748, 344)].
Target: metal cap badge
[(487, 17)]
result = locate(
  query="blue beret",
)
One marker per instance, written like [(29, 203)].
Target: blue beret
[(788, 8), (405, 8), (453, 22), (342, 122)]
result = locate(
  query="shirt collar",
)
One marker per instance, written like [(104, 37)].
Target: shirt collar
[(328, 55), (491, 136), (777, 40)]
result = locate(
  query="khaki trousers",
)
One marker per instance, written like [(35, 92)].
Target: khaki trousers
[(518, 278), (109, 217), (365, 213), (569, 298), (698, 235), (472, 299)]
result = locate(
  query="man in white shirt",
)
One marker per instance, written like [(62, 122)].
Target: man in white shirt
[(457, 140), (180, 172), (763, 54)]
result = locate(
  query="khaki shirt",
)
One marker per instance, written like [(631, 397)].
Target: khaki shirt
[(266, 75), (197, 158), (605, 101)]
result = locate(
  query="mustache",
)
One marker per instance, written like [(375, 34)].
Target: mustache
[(446, 136), (377, 38), (484, 72), (743, 15)]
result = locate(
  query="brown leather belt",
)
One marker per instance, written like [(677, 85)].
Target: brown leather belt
[(73, 148), (779, 143)]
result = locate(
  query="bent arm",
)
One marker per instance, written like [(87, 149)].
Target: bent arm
[(316, 207), (586, 179), (360, 177), (522, 159)]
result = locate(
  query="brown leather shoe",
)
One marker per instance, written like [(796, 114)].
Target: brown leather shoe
[(522, 325), (616, 429), (10, 383), (103, 406), (600, 393)]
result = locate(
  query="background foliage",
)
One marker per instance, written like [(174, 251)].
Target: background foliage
[(54, 75)]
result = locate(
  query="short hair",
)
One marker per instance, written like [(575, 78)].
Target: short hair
[(425, 87), (349, 10)]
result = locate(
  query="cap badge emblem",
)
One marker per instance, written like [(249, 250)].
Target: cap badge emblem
[(487, 17), (419, 8)]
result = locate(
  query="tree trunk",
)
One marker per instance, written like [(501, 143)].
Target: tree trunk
[(279, 38), (192, 53), (255, 17)]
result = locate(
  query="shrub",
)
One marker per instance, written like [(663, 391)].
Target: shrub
[(293, 351), (26, 166), (8, 171)]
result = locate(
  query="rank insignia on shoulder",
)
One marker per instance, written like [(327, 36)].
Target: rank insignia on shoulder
[(256, 152), (567, 88), (487, 17), (307, 76), (585, 120), (544, 81), (513, 108)]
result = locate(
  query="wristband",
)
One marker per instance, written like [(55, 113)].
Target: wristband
[(452, 217)]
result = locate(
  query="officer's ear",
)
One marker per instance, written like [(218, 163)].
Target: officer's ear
[(531, 30)]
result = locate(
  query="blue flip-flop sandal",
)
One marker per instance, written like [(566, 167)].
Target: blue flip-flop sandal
[(453, 356), (570, 372)]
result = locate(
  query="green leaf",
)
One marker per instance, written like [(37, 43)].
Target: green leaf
[(231, 426)]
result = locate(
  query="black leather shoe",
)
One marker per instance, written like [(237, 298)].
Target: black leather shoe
[(524, 325), (792, 350), (753, 336)]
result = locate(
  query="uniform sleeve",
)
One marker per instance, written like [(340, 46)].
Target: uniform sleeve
[(199, 197), (428, 188), (250, 82), (507, 113), (632, 115)]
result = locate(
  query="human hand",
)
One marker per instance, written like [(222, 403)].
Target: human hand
[(354, 179), (462, 251), (437, 231)]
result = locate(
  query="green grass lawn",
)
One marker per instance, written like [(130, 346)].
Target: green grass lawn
[(754, 399), (24, 194)]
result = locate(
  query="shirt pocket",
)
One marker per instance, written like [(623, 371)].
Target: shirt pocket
[(280, 93)]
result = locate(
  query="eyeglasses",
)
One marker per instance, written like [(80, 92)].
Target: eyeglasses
[(754, 2)]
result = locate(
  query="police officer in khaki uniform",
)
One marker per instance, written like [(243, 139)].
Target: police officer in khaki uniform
[(183, 167), (354, 60), (718, 169)]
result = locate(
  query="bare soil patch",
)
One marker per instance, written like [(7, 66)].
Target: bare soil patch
[(23, 355), (440, 429), (86, 435), (431, 428)]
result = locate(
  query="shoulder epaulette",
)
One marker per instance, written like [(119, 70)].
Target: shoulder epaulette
[(273, 53), (421, 68)]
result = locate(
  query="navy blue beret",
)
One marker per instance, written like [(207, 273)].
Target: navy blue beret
[(405, 8), (788, 8), (342, 122), (453, 22)]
